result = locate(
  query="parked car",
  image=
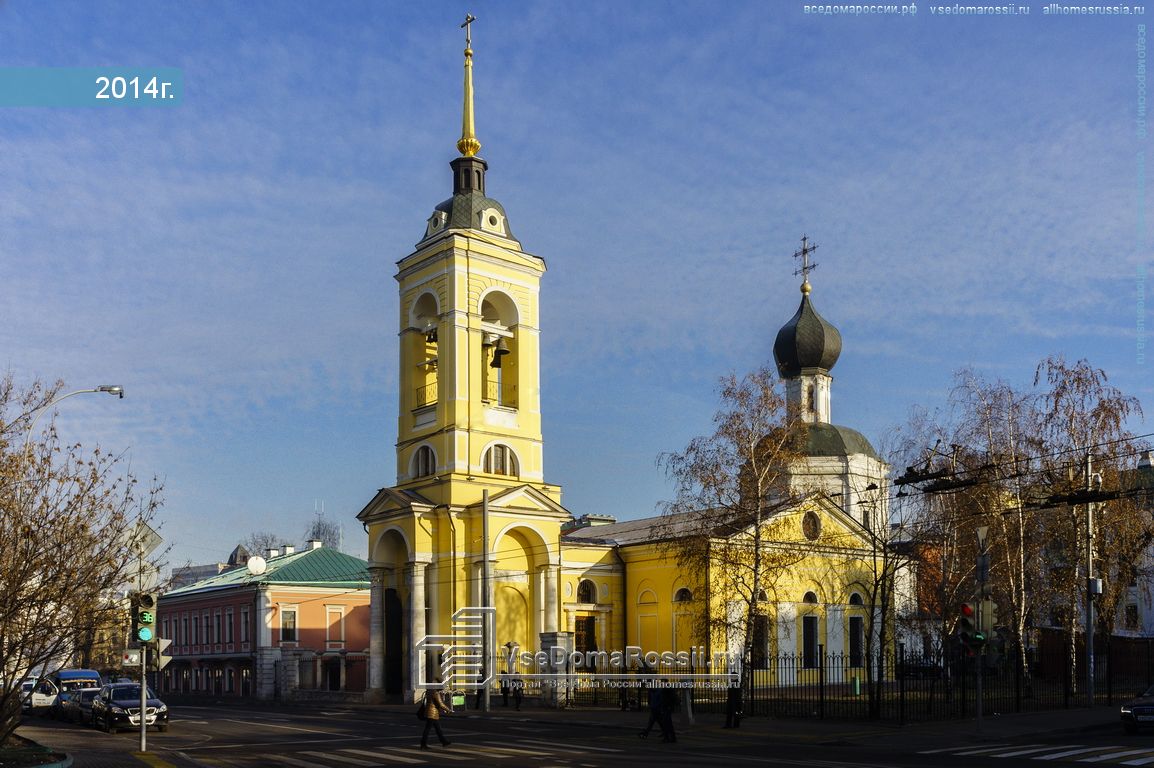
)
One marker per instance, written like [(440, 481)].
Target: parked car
[(78, 707), (921, 669), (1139, 712), (26, 694), (118, 706), (50, 693)]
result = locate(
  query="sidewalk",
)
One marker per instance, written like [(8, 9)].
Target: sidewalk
[(914, 736)]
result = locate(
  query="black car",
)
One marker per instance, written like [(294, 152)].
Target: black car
[(118, 706), (1139, 713)]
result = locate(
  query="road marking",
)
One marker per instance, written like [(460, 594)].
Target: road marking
[(515, 751), (408, 750), (554, 744), (951, 749), (1072, 752), (274, 725), (395, 758), (1033, 748), (475, 750), (1140, 761), (1112, 755), (338, 758), (292, 761), (981, 751)]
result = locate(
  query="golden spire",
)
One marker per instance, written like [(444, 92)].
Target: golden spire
[(468, 144)]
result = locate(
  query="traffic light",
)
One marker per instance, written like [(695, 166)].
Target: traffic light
[(143, 617), (160, 659), (968, 630), (989, 616)]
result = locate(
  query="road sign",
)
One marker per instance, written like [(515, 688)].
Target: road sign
[(132, 657), (143, 539)]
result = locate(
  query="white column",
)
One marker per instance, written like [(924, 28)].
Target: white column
[(835, 629), (416, 578), (550, 618), (377, 630)]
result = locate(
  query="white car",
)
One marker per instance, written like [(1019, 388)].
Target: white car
[(26, 693)]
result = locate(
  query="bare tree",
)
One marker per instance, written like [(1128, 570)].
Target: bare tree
[(1017, 466), (260, 542), (733, 495), (67, 518), (324, 530)]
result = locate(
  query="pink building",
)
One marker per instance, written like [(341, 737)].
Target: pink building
[(270, 628)]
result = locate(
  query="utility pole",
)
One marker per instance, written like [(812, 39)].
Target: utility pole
[(486, 618), (1093, 586), (982, 572)]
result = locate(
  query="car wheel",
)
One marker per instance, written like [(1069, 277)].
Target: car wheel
[(162, 728), (108, 727), (1130, 727)]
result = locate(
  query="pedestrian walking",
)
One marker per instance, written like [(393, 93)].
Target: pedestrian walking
[(518, 688), (733, 707), (654, 714), (669, 703), (434, 706)]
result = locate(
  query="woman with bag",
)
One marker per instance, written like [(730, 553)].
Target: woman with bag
[(433, 705)]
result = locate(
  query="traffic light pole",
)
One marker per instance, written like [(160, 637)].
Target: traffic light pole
[(143, 697)]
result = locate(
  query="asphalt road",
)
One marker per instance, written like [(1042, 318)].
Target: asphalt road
[(243, 737)]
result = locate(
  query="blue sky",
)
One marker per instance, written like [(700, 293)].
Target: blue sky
[(973, 185)]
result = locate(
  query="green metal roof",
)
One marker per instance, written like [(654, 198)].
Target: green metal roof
[(311, 568)]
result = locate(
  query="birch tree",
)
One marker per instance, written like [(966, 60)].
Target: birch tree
[(67, 517)]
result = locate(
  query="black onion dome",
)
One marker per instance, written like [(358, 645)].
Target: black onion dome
[(806, 341)]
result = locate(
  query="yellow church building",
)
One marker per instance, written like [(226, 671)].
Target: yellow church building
[(472, 522)]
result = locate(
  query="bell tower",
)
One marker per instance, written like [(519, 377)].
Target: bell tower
[(469, 415)]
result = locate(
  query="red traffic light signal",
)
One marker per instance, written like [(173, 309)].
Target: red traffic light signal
[(968, 624)]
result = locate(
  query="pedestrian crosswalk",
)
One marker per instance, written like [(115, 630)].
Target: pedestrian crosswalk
[(1074, 753), (487, 751)]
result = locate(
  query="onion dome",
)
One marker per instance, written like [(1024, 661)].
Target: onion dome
[(807, 341), (837, 441)]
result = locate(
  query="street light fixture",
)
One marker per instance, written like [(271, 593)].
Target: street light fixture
[(112, 389)]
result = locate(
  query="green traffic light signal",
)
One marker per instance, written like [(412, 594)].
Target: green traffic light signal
[(144, 617)]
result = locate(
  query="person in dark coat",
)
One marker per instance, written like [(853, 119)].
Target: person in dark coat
[(434, 706), (733, 707), (669, 702), (654, 714)]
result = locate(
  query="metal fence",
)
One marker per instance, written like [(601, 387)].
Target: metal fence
[(899, 687)]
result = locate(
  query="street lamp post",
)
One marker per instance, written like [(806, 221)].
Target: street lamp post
[(112, 389)]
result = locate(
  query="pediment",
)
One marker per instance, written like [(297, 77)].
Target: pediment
[(392, 501), (525, 499)]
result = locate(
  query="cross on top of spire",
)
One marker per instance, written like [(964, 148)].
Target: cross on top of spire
[(806, 267), (469, 19)]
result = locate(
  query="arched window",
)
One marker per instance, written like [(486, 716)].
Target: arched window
[(424, 462), (762, 597), (810, 598), (855, 599), (500, 460), (683, 596), (586, 591)]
